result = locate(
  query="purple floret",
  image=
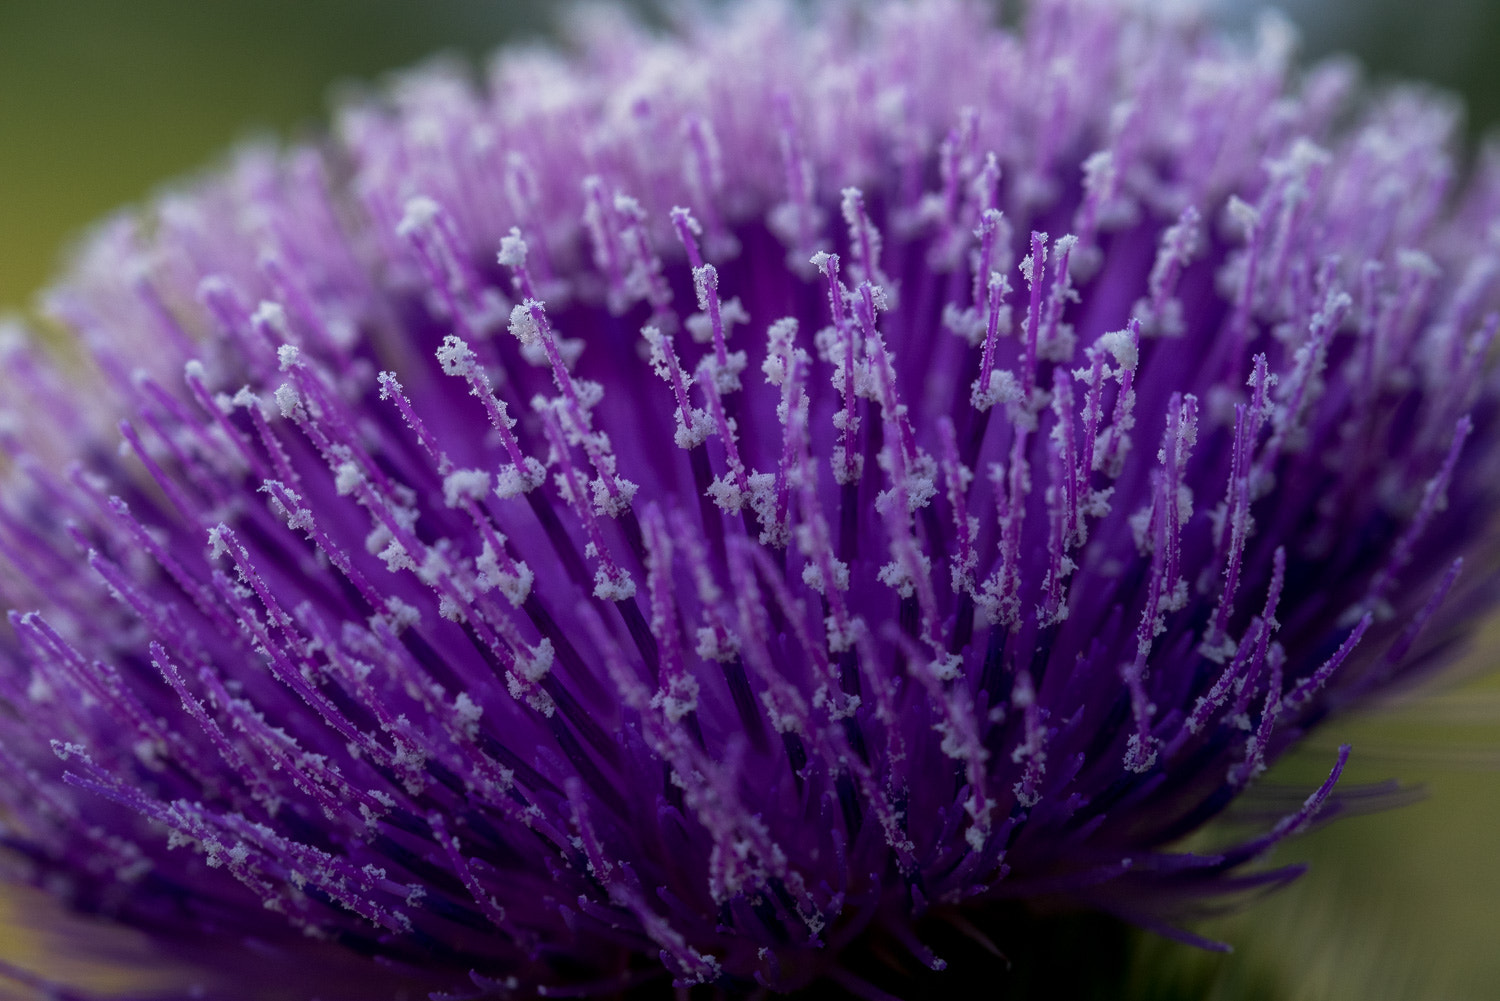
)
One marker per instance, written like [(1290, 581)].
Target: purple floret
[(675, 512)]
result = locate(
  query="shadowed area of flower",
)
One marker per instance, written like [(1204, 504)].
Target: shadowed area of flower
[(694, 510)]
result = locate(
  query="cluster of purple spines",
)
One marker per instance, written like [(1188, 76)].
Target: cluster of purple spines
[(669, 512)]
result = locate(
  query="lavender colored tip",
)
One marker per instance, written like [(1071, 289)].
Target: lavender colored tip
[(682, 513)]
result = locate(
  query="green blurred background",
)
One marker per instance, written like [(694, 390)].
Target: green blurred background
[(101, 100)]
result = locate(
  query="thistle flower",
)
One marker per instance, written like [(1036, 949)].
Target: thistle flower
[(686, 511)]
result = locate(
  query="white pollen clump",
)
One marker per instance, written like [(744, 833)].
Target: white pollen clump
[(564, 485), (487, 563), (513, 249), (847, 468), (969, 323), (435, 567), (65, 751), (348, 478), (1120, 344), (843, 638), (812, 576), (712, 645), (389, 385), (1242, 214), (379, 537), (705, 277), (149, 753), (1139, 755), (245, 398), (785, 710), (613, 588), (1002, 388), (289, 356), (512, 482), (272, 316), (397, 617), (727, 495), (1140, 527), (781, 344), (515, 586), (396, 557), (919, 485), (523, 325), (38, 690), (691, 437), (694, 226), (1029, 263), (216, 544), (731, 312), (536, 666), (660, 353), (456, 357), (616, 504), (773, 531), (569, 349), (837, 704), (774, 369), (946, 668), (589, 394), (488, 566), (1172, 601), (699, 327), (953, 744), (679, 698), (898, 574), (465, 484), (418, 215), (726, 377), (360, 670), (467, 712), (290, 402), (298, 519), (1184, 503)]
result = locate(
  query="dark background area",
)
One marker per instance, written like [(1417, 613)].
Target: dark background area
[(1451, 43)]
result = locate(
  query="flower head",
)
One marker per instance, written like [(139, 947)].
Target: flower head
[(676, 511)]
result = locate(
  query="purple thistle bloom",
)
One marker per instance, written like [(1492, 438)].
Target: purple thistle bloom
[(686, 511)]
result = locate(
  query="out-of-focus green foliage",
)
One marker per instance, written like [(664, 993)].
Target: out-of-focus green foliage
[(1401, 904), (1450, 44), (102, 100)]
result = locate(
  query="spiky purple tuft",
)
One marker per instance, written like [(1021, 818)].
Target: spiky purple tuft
[(787, 539)]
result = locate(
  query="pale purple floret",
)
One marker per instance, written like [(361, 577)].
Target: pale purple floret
[(668, 513)]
